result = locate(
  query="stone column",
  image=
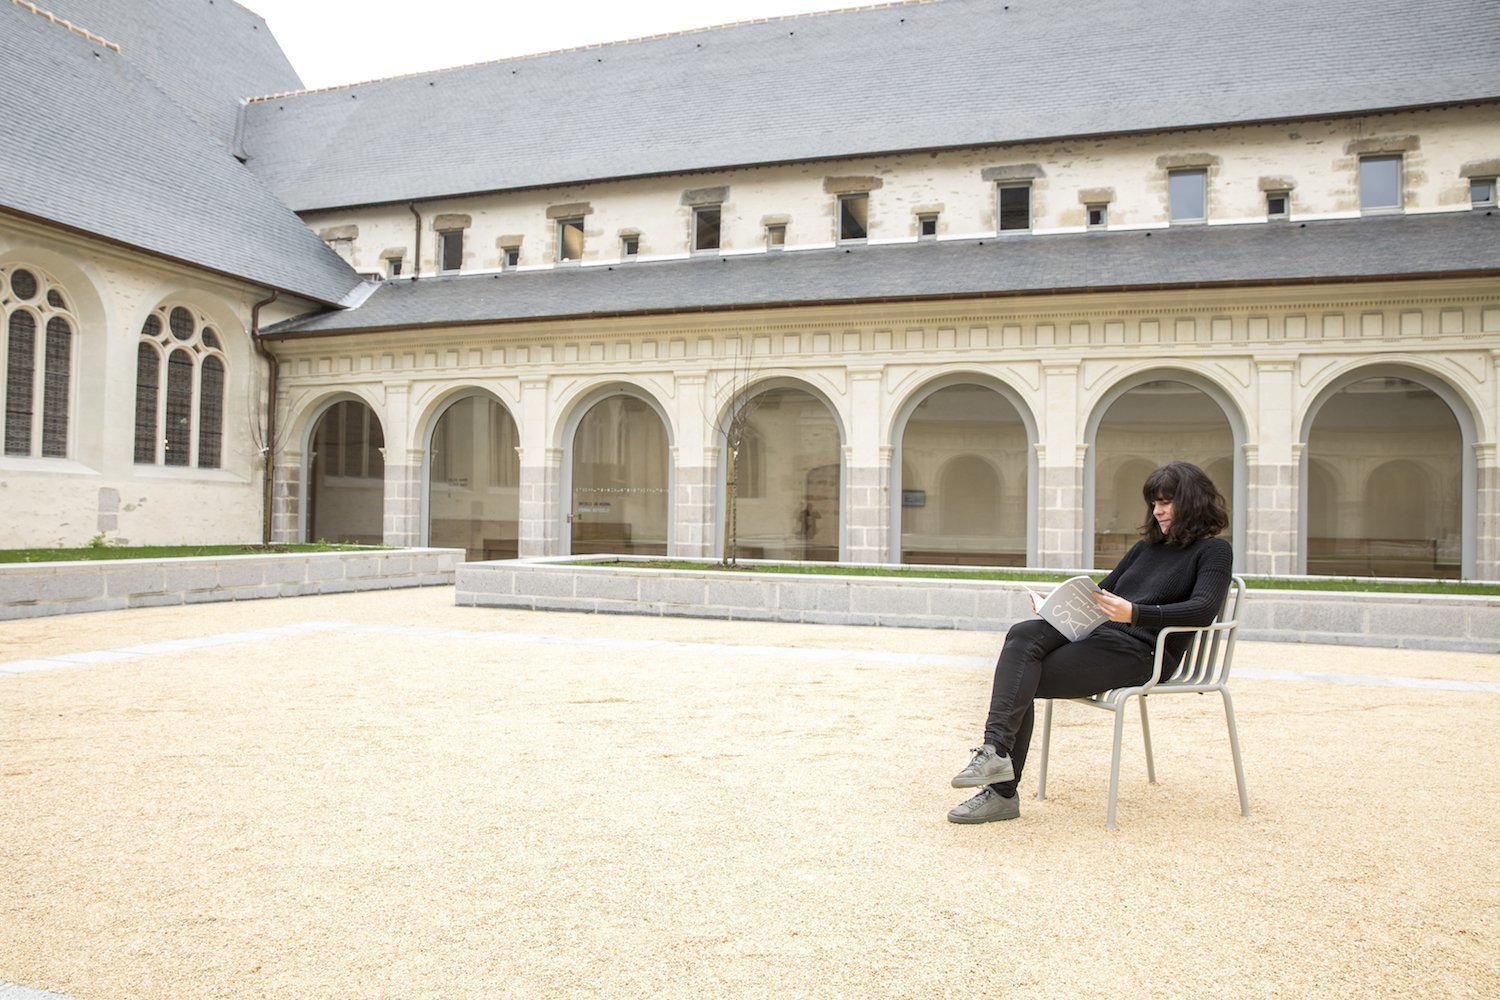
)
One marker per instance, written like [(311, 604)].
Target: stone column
[(867, 464), (1487, 542), (404, 458), (694, 463), (1271, 546), (1060, 461), (541, 479)]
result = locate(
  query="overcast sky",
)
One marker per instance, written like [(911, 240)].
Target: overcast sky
[(330, 42)]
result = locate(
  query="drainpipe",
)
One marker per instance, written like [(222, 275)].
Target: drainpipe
[(416, 257), (269, 454)]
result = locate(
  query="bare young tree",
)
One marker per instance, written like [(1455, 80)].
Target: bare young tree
[(742, 404)]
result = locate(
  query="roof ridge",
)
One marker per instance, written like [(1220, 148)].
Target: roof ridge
[(40, 12), (587, 48)]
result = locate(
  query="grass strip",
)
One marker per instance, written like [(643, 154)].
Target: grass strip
[(93, 552)]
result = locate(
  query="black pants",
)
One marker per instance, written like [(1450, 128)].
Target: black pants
[(1038, 662)]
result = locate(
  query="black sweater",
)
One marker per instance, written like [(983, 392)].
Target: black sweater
[(1171, 585)]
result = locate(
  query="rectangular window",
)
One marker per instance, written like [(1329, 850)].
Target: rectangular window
[(1482, 192), (1015, 208), (706, 228), (451, 250), (512, 256), (344, 248), (1098, 216), (775, 237), (854, 217), (927, 227), (630, 246), (393, 267), (1187, 195), (1278, 204), (570, 239), (1380, 184)]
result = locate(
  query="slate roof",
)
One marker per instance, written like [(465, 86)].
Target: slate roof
[(942, 74), (97, 147), (1279, 253), (208, 55)]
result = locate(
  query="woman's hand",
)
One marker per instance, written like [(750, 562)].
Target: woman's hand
[(1117, 608)]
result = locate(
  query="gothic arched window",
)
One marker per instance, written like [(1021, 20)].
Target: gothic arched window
[(180, 375), (37, 365)]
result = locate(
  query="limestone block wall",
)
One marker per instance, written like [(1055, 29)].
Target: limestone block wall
[(35, 590)]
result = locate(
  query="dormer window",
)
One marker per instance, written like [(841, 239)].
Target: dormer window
[(1380, 184), (1014, 208), (706, 228), (570, 239), (450, 250), (854, 217), (1187, 196)]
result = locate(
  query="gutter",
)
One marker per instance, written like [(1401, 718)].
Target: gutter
[(416, 257), (268, 450)]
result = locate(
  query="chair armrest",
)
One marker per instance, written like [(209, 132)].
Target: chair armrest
[(1171, 630)]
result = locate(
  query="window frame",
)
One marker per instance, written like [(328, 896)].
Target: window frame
[(1474, 184), (630, 247), (1103, 216), (843, 215), (700, 214), (774, 230), (1365, 184), (201, 343), (563, 225), (450, 238), (1272, 214), (1001, 188), (1201, 173), (924, 220)]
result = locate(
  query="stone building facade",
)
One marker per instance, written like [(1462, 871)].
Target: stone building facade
[(947, 337)]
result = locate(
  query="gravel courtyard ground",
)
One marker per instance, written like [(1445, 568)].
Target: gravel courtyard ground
[(383, 795)]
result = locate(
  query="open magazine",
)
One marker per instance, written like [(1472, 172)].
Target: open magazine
[(1070, 609)]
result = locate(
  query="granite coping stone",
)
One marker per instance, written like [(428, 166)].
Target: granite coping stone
[(1392, 620)]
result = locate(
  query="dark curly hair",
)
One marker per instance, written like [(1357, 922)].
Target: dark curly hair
[(1198, 508)]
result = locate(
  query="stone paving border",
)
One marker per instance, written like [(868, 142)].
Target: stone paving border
[(10, 991), (1398, 621), (35, 590), (96, 657)]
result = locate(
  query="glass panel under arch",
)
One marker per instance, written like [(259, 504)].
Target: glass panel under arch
[(346, 477), (794, 510), (1147, 427), (1384, 483), (474, 480), (963, 482), (620, 465)]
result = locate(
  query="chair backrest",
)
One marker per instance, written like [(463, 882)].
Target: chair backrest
[(1208, 659)]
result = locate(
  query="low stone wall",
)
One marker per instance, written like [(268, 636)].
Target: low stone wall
[(34, 590), (1413, 621)]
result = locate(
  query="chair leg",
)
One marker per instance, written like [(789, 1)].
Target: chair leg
[(1146, 735), (1041, 774), (1114, 767), (1234, 747)]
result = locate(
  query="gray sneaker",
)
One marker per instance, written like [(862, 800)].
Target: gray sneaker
[(986, 807), (986, 768)]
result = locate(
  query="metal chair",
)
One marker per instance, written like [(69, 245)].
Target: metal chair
[(1204, 668)]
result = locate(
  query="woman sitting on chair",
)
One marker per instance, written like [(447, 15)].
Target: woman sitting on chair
[(1177, 574)]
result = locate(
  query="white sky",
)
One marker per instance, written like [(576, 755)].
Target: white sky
[(331, 42)]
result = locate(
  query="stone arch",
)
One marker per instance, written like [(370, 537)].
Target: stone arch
[(958, 413), (800, 514), (618, 471), (470, 477), (1191, 404), (1408, 420), (342, 470)]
